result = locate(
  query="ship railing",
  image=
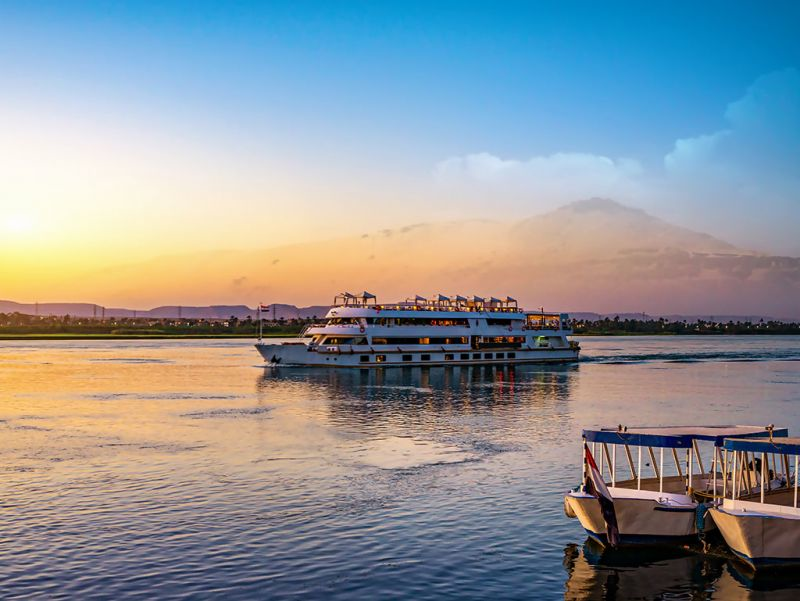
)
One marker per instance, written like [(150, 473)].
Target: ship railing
[(308, 327), (444, 307), (546, 326)]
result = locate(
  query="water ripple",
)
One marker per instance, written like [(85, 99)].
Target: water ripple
[(188, 474)]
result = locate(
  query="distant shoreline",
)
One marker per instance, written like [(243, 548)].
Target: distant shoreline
[(74, 336)]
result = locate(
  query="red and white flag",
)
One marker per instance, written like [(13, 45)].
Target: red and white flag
[(596, 487), (263, 307)]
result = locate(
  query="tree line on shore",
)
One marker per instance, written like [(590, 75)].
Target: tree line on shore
[(19, 324), (616, 326), (22, 324)]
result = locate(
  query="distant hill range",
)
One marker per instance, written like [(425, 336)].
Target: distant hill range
[(284, 311), (281, 311), (688, 318), (593, 253)]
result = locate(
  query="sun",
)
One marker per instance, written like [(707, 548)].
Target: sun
[(18, 224)]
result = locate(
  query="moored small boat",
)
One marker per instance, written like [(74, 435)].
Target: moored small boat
[(760, 518), (668, 505)]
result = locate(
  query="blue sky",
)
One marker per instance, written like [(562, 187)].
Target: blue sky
[(350, 103)]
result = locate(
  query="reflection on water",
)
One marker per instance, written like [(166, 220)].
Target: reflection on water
[(595, 572), (740, 579), (370, 395), (175, 468)]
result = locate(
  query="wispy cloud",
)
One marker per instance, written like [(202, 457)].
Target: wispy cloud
[(689, 154), (541, 182), (763, 131)]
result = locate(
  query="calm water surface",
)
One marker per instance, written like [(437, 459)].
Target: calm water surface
[(187, 469)]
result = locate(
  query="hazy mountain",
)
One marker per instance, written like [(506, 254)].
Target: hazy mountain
[(277, 311), (600, 227), (594, 254), (76, 309), (591, 316)]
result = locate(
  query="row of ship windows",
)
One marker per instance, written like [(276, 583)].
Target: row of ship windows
[(356, 340), (415, 321), (447, 357), (399, 321)]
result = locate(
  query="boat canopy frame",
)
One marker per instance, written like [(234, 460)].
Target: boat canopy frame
[(668, 437), (437, 302), (785, 446), (346, 299), (678, 437), (744, 450)]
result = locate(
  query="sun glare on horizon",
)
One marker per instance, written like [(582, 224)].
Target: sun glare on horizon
[(18, 224)]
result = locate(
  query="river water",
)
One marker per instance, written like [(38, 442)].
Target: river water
[(187, 469)]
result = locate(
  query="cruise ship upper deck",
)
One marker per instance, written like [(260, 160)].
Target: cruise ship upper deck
[(439, 302)]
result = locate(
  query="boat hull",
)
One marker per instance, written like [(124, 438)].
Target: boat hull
[(760, 539), (642, 520), (300, 354)]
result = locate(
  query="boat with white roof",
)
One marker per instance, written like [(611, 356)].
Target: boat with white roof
[(445, 330), (669, 505), (759, 518)]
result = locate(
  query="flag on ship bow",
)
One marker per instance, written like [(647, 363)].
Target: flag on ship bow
[(596, 487)]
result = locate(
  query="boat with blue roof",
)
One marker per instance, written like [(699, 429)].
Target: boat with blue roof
[(759, 517), (663, 489)]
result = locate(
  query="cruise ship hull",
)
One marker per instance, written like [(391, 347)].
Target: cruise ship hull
[(301, 354)]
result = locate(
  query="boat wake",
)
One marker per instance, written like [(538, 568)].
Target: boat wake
[(695, 357)]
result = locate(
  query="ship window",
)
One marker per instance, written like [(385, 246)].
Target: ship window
[(337, 321), (425, 357), (408, 357), (500, 356), (364, 358), (423, 321), (500, 341), (380, 358), (487, 356), (476, 356), (403, 340), (498, 322), (339, 340), (512, 355), (448, 357), (465, 355)]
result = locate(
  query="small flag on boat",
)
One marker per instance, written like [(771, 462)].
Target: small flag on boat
[(596, 487)]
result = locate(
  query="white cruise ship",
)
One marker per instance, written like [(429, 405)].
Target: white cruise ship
[(360, 332)]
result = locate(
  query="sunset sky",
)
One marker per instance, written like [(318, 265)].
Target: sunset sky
[(132, 130)]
